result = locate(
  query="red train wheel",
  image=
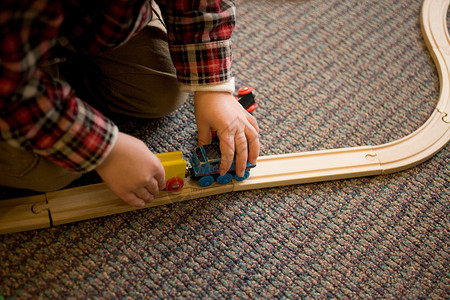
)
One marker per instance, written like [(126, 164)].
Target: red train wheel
[(174, 184), (252, 107), (244, 90)]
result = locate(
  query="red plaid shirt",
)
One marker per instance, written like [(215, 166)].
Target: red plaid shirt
[(44, 115)]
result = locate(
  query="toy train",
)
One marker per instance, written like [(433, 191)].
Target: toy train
[(205, 160), (205, 163)]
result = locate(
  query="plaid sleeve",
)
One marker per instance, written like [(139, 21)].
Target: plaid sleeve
[(38, 112), (199, 35), (91, 28)]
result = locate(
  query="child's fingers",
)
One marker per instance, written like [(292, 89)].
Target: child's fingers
[(143, 194), (133, 200), (253, 144), (241, 152), (153, 187), (253, 121), (227, 153), (159, 178), (204, 135)]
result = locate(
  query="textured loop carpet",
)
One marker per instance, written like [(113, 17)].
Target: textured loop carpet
[(328, 74)]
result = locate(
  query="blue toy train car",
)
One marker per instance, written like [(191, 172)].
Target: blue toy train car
[(205, 163)]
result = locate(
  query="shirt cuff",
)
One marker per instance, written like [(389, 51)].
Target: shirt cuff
[(227, 86)]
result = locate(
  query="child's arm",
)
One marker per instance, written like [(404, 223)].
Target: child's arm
[(236, 128)]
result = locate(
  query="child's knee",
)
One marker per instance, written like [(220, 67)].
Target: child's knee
[(166, 101), (27, 170), (152, 98)]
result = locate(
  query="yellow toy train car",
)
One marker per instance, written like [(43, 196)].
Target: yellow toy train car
[(175, 167)]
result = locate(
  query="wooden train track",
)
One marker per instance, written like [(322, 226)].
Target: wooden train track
[(97, 200)]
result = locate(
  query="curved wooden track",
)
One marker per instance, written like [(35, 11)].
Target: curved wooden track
[(93, 201)]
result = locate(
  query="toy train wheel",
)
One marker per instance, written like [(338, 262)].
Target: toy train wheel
[(225, 178), (206, 181), (174, 184), (246, 175), (246, 98), (252, 107), (244, 90)]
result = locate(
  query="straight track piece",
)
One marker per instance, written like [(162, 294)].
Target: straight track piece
[(314, 166), (97, 200), (22, 214)]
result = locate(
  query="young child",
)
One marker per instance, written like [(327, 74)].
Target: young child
[(58, 56)]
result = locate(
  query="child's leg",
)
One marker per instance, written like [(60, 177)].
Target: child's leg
[(27, 170), (136, 79)]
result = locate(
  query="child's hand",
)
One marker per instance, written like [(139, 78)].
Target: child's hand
[(236, 128), (132, 171)]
